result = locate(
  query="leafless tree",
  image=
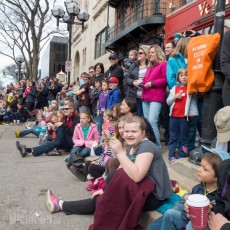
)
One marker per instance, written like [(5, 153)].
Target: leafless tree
[(10, 69), (22, 27)]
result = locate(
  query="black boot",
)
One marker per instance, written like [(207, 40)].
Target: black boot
[(80, 172)]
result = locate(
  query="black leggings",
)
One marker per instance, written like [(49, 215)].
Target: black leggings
[(80, 207), (88, 206)]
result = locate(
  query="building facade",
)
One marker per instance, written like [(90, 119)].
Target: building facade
[(88, 45), (54, 58), (121, 25)]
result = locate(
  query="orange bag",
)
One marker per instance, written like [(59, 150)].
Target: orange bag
[(201, 53)]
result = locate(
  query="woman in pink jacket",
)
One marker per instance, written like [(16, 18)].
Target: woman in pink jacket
[(85, 134), (154, 89)]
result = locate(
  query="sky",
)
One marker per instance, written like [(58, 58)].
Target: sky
[(4, 60)]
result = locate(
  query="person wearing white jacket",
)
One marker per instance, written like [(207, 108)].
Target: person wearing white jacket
[(183, 109)]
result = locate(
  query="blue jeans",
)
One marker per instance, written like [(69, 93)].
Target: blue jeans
[(151, 113), (178, 131), (192, 127), (139, 107), (170, 221), (29, 131), (18, 116), (7, 119), (189, 226), (98, 120), (80, 150), (63, 140)]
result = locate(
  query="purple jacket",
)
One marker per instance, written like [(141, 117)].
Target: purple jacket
[(102, 101), (157, 75)]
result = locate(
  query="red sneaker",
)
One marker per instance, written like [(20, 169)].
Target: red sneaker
[(91, 186)]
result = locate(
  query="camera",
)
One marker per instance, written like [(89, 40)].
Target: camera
[(50, 87)]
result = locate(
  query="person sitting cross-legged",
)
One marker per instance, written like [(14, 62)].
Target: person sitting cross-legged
[(64, 133)]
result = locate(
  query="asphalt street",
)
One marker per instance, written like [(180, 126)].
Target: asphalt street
[(23, 186)]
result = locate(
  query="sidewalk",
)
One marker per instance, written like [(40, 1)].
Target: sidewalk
[(24, 182)]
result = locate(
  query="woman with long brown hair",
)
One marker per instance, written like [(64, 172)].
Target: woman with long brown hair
[(154, 89), (178, 60)]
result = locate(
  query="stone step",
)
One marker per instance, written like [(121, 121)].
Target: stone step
[(182, 171), (185, 168)]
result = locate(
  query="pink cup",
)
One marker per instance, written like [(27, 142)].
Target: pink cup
[(198, 211)]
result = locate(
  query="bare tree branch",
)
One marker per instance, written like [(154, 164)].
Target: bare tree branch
[(23, 28)]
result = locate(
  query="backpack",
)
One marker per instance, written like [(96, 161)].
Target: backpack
[(201, 53)]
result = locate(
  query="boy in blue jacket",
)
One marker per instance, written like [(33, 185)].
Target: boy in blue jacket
[(114, 95), (176, 218)]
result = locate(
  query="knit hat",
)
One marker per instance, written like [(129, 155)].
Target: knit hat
[(227, 23), (178, 35), (222, 122), (113, 80)]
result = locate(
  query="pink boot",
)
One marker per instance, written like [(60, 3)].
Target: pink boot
[(100, 184), (91, 185)]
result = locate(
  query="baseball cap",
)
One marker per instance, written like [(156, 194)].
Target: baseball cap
[(113, 80), (222, 122), (113, 56), (223, 155)]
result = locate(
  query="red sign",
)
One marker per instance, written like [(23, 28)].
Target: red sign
[(191, 16), (207, 7)]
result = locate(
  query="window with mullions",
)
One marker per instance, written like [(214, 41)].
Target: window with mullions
[(100, 44)]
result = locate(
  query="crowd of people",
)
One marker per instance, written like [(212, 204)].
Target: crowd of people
[(115, 114)]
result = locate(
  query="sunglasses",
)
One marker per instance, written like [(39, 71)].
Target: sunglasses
[(66, 108), (140, 53), (112, 58)]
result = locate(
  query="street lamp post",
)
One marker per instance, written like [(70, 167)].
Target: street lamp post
[(68, 17), (20, 60)]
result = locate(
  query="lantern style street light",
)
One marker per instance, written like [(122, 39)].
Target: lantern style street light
[(72, 11), (19, 60)]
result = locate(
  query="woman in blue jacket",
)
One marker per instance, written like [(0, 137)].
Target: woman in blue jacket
[(177, 61)]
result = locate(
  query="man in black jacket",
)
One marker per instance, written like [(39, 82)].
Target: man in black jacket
[(225, 63), (115, 71)]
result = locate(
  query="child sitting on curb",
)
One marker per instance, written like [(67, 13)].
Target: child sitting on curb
[(176, 218), (85, 133), (36, 130), (96, 169)]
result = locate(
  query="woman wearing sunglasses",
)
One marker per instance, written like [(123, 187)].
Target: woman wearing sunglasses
[(64, 133), (134, 76)]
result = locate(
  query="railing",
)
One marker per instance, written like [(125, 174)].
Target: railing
[(140, 12)]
